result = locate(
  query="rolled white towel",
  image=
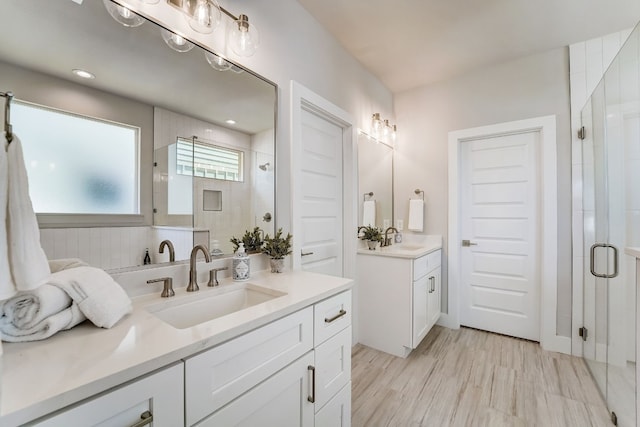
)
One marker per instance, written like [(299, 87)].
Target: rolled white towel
[(97, 295), (67, 299), (27, 309), (63, 320)]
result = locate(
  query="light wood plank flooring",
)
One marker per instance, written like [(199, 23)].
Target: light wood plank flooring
[(474, 378)]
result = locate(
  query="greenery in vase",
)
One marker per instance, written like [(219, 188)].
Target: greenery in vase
[(277, 247), (252, 240), (371, 233)]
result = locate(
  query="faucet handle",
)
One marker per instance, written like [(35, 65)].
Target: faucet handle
[(167, 291), (213, 276)]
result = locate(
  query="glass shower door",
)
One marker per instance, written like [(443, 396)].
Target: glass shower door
[(611, 207)]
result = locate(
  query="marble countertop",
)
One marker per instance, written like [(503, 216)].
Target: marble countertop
[(411, 247), (39, 377)]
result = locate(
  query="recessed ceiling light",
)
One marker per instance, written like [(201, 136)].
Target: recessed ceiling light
[(230, 122), (83, 74)]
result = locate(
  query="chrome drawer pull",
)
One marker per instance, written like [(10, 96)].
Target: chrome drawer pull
[(312, 398), (306, 253), (146, 418), (336, 317)]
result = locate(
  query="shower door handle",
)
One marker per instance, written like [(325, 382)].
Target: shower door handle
[(592, 256)]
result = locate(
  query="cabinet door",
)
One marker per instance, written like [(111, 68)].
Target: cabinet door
[(435, 286), (333, 366), (217, 376), (336, 413), (282, 400), (420, 320), (161, 394)]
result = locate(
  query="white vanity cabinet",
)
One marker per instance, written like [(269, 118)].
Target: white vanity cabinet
[(155, 400), (399, 300), (281, 374)]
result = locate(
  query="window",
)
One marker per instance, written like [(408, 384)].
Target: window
[(78, 164), (208, 161)]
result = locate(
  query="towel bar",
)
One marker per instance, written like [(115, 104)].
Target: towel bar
[(418, 191), (364, 196), (7, 115)]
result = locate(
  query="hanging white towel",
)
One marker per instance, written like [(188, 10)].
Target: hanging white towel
[(369, 213), (416, 215), (7, 287), (27, 260)]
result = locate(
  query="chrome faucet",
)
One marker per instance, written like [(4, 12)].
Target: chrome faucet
[(387, 240), (172, 252), (213, 276), (193, 272)]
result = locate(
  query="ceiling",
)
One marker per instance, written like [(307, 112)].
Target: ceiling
[(411, 43)]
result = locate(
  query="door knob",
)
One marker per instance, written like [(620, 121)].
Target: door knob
[(468, 243)]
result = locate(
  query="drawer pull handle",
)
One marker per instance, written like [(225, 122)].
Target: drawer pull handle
[(432, 287), (336, 317), (305, 253), (146, 418), (312, 398)]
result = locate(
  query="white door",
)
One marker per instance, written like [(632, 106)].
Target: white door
[(499, 280), (321, 194)]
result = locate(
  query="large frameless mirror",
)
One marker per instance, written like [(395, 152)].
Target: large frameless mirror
[(201, 151)]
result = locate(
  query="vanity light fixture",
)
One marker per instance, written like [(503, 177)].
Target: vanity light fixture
[(123, 15), (382, 128), (217, 62), (83, 73), (176, 41), (205, 15)]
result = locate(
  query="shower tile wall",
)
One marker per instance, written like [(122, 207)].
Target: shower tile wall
[(588, 62)]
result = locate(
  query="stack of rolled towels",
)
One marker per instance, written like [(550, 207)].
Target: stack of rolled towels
[(73, 293)]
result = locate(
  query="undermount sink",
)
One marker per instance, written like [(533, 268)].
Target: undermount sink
[(210, 304), (403, 247)]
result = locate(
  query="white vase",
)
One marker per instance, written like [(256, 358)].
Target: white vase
[(372, 244), (277, 265)]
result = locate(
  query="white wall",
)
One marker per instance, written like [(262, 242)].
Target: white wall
[(537, 85)]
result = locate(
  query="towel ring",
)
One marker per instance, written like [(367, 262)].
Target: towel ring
[(369, 194), (418, 191)]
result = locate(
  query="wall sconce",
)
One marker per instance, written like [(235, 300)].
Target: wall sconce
[(383, 128)]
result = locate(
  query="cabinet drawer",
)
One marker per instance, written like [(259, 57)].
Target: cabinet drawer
[(333, 366), (280, 401), (336, 413), (331, 316), (219, 375), (426, 263), (161, 394)]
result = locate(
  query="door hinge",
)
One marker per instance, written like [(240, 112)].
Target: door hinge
[(582, 133), (614, 418), (583, 333)]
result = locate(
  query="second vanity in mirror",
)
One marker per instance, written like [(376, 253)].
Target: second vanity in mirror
[(182, 111)]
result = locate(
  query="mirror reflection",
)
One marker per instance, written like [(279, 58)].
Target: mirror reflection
[(173, 100), (375, 175)]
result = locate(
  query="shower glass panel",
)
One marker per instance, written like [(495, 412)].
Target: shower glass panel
[(611, 163)]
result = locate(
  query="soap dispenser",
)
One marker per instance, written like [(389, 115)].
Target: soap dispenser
[(241, 267)]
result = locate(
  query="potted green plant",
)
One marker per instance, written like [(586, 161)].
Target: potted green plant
[(277, 247), (252, 240), (372, 235)]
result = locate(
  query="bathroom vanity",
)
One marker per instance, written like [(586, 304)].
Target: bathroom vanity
[(285, 360), (399, 294)]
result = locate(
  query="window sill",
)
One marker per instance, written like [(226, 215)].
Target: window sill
[(87, 220)]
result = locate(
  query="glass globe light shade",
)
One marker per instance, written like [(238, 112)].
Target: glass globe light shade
[(386, 128), (217, 62), (176, 42), (123, 15), (376, 123), (206, 16), (243, 38)]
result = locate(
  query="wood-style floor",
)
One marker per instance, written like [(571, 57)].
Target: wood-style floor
[(474, 378)]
